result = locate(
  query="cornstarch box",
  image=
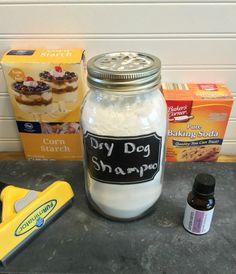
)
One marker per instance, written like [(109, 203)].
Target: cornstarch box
[(198, 116), (46, 88)]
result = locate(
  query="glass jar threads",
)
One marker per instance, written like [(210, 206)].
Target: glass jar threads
[(124, 120)]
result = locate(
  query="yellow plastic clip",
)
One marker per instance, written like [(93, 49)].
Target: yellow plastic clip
[(9, 196)]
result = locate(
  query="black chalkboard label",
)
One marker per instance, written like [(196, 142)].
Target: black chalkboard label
[(122, 160)]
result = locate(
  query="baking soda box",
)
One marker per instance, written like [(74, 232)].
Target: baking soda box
[(46, 88), (198, 115)]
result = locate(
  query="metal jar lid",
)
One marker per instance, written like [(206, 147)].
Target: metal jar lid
[(124, 71)]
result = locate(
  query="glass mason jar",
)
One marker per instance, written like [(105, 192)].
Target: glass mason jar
[(124, 120)]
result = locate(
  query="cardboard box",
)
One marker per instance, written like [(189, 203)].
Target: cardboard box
[(198, 116), (46, 88)]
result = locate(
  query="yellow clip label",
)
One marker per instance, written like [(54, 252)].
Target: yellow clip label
[(36, 218)]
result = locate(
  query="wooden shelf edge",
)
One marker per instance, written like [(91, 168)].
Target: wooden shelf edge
[(12, 155)]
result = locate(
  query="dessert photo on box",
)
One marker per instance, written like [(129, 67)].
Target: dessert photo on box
[(33, 96), (52, 93), (64, 83)]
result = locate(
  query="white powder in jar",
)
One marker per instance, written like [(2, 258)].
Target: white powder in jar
[(115, 114)]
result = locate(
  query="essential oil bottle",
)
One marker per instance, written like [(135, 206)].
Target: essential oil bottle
[(200, 205)]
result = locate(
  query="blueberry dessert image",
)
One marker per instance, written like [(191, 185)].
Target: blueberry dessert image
[(64, 84), (33, 96)]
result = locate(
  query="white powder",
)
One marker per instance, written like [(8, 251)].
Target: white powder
[(112, 114)]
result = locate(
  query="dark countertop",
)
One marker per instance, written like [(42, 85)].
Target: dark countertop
[(81, 241)]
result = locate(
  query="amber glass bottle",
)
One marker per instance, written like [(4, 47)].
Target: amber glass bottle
[(200, 205)]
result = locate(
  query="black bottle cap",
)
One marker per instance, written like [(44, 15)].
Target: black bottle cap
[(204, 184)]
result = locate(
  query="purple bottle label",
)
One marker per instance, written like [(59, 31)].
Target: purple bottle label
[(197, 221)]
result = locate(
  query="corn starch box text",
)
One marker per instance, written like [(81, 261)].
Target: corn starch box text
[(198, 116), (46, 88)]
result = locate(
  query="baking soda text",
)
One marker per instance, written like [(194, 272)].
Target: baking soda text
[(192, 134)]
